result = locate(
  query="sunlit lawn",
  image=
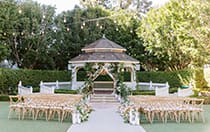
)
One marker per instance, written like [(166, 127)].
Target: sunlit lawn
[(28, 125)]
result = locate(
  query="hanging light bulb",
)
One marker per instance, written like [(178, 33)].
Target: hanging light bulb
[(83, 23), (64, 19), (5, 34), (32, 33), (13, 33), (68, 29), (131, 31), (115, 21), (101, 27), (43, 16), (19, 11), (117, 29), (97, 24), (22, 33), (82, 27)]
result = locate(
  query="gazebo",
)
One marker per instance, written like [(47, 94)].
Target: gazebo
[(107, 52)]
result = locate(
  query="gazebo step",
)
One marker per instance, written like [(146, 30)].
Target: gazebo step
[(103, 89), (109, 98)]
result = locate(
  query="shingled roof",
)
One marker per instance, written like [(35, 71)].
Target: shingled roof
[(103, 50), (103, 43)]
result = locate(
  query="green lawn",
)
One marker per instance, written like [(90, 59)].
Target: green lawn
[(15, 125), (197, 126)]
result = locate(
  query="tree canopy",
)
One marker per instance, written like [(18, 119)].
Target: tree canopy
[(174, 36), (177, 34)]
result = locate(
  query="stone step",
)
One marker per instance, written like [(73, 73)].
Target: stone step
[(104, 98), (103, 89), (104, 101), (103, 95)]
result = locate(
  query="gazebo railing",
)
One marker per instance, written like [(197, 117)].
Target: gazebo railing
[(57, 84), (152, 86)]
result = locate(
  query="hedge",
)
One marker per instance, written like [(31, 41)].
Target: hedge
[(174, 78), (9, 78)]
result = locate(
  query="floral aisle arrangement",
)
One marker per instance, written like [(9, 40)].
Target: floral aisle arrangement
[(84, 111)]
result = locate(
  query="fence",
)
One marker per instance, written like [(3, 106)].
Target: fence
[(57, 85), (185, 92), (163, 91), (24, 90), (46, 89), (151, 85)]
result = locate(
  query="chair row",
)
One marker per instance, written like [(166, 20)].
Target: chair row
[(49, 106), (165, 108)]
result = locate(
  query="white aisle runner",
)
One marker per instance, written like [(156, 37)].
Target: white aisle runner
[(105, 118)]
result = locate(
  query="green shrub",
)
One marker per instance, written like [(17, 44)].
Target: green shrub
[(36, 89), (200, 81), (9, 78), (143, 92), (4, 98), (65, 91), (173, 90), (174, 78)]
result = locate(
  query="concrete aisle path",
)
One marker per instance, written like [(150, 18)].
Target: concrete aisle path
[(105, 118)]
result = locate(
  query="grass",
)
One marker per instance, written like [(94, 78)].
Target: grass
[(172, 126), (28, 125)]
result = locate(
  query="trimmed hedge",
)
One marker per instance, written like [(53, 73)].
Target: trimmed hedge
[(65, 91), (9, 78), (174, 78)]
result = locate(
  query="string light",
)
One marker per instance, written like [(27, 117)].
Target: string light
[(97, 24), (64, 19), (20, 11), (83, 23), (5, 34), (43, 26), (101, 27)]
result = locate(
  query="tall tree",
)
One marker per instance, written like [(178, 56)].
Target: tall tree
[(80, 27), (139, 6), (177, 34), (27, 27)]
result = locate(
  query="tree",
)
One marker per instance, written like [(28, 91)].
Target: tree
[(177, 34), (80, 27), (27, 32), (138, 6)]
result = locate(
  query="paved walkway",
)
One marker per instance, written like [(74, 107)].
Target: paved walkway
[(105, 118)]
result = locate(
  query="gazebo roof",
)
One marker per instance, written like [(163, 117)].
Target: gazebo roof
[(103, 50), (103, 44), (104, 57)]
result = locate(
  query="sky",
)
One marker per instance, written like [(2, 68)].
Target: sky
[(64, 5)]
